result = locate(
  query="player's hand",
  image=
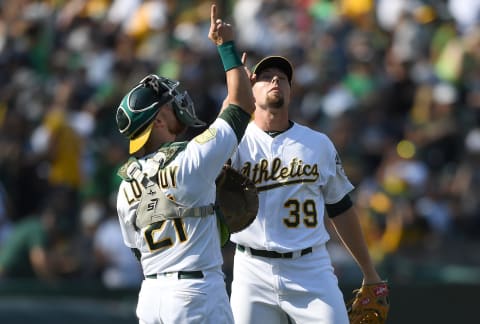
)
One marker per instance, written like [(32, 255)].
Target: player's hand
[(220, 32), (251, 76)]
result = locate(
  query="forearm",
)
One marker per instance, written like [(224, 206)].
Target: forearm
[(350, 232), (238, 83)]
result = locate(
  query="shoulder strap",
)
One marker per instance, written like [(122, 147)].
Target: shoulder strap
[(171, 150), (154, 205)]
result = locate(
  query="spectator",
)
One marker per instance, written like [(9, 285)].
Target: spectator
[(64, 66), (5, 216), (117, 266), (27, 253)]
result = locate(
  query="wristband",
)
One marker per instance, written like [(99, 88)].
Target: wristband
[(229, 56)]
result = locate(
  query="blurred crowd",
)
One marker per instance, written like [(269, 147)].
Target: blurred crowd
[(394, 83)]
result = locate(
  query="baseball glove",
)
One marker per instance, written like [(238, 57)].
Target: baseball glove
[(237, 199), (370, 304)]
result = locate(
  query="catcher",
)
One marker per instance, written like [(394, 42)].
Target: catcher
[(167, 200)]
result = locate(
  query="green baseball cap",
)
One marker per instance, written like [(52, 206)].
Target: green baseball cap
[(279, 62), (140, 105)]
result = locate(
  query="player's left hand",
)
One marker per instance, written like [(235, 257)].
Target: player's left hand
[(370, 304), (220, 32)]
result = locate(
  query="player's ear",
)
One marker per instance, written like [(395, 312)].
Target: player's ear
[(157, 122), (162, 118)]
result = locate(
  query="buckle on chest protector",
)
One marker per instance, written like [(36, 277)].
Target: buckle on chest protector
[(202, 211), (134, 171)]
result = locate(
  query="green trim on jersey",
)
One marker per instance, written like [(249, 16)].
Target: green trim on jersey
[(336, 209), (170, 149), (237, 118), (276, 133)]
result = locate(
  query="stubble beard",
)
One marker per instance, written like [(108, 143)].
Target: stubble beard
[(275, 101)]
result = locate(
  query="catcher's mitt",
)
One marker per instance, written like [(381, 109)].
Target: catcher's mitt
[(237, 199), (370, 304)]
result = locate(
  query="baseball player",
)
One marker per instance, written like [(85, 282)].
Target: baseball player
[(165, 201), (282, 270)]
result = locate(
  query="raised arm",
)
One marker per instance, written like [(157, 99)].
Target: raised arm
[(238, 82)]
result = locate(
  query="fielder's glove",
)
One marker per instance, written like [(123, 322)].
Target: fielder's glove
[(237, 199), (370, 304)]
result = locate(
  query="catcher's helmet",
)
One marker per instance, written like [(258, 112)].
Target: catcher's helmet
[(140, 105)]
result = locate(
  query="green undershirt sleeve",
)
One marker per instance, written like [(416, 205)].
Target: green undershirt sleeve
[(237, 118)]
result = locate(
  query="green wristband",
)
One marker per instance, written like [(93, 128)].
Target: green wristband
[(229, 56)]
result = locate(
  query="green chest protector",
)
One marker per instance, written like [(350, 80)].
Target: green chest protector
[(154, 205)]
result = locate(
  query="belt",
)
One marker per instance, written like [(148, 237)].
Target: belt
[(272, 254), (179, 274)]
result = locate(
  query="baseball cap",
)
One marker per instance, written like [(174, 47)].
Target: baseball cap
[(140, 105), (279, 62)]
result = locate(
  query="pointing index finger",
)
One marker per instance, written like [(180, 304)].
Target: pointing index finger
[(244, 58), (213, 15)]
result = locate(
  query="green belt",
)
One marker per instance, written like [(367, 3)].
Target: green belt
[(180, 275)]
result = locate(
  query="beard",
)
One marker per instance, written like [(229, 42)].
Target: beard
[(275, 101)]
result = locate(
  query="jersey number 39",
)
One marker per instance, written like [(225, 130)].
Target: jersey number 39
[(305, 213)]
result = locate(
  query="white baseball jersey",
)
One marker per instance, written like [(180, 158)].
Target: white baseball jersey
[(190, 243), (296, 173)]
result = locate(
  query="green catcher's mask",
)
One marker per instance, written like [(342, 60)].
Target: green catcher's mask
[(140, 105)]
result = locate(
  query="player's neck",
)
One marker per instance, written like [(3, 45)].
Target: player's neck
[(268, 120), (155, 142)]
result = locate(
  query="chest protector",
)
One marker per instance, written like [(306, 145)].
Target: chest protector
[(154, 205)]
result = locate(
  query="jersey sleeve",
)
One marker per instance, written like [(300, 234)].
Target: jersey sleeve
[(126, 217), (237, 118), (337, 185), (210, 150)]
